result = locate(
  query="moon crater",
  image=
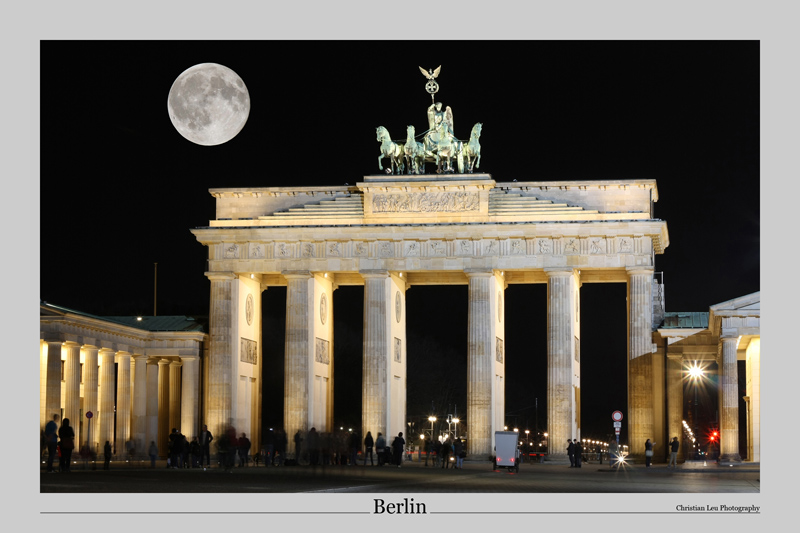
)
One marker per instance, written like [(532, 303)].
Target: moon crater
[(208, 104)]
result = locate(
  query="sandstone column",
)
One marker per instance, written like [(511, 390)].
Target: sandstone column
[(139, 408), (72, 387), (90, 382), (190, 376), (375, 378), (175, 396), (123, 402), (675, 402), (297, 354), (562, 368), (640, 361), (53, 381), (105, 420), (151, 405), (480, 364), (729, 402), (163, 406), (219, 408)]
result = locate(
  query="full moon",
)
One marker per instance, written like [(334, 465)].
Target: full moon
[(208, 104)]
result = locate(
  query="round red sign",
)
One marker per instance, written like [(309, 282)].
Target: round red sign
[(616, 416), (89, 414)]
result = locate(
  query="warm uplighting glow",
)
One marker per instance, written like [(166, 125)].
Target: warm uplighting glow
[(431, 419)]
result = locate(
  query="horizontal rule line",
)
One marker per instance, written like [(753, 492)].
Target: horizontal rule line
[(592, 512), (205, 512)]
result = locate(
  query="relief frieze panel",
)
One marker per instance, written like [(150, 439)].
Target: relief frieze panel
[(284, 250), (231, 251), (321, 351), (248, 351), (427, 202)]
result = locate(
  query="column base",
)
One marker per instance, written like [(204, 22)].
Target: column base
[(730, 459)]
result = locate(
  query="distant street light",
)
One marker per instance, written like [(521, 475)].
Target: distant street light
[(432, 419), (695, 375)]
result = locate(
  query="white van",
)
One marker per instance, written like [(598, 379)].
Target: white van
[(506, 450)]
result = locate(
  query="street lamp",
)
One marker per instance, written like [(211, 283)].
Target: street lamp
[(432, 419), (456, 420), (695, 375)]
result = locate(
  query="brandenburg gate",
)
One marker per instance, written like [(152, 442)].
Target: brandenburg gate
[(390, 232)]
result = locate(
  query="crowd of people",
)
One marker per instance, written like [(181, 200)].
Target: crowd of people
[(231, 448)]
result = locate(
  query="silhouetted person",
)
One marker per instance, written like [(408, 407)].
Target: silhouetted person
[(369, 443), (648, 453), (380, 445), (66, 437), (51, 441), (397, 449), (578, 453), (571, 452), (313, 447), (298, 440), (106, 455), (153, 453), (244, 449), (205, 445)]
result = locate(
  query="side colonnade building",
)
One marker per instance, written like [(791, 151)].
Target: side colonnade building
[(138, 376)]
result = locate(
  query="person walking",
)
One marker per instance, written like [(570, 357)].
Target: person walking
[(369, 443), (578, 452), (571, 453), (648, 453), (107, 456), (280, 446), (66, 437), (673, 453), (51, 441), (380, 444), (205, 446)]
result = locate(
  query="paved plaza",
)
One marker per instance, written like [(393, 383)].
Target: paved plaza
[(412, 477)]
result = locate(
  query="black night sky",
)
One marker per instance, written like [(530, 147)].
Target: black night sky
[(120, 188)]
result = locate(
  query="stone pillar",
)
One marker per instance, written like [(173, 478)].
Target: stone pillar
[(123, 402), (675, 403), (640, 361), (190, 377), (480, 368), (90, 382), (43, 416), (219, 408), (139, 408), (105, 425), (297, 354), (72, 387), (376, 358), (175, 396), (729, 402), (163, 407), (563, 387), (151, 404), (53, 381)]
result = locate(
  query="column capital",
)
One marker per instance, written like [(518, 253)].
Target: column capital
[(296, 274), (221, 276), (175, 363), (630, 271), (560, 272), (479, 272), (163, 362), (374, 273), (70, 344), (139, 357), (106, 351), (187, 358)]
